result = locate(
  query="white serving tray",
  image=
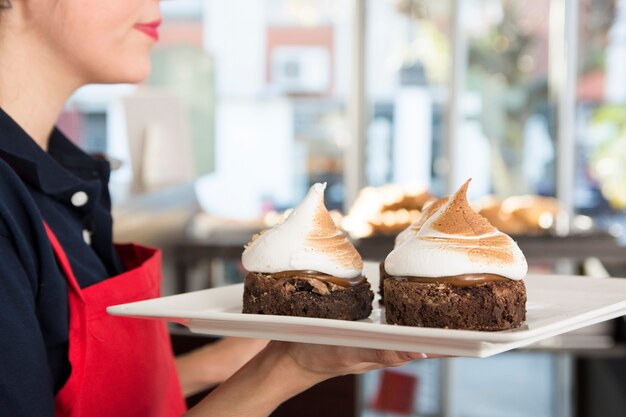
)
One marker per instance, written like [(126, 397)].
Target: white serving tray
[(556, 304)]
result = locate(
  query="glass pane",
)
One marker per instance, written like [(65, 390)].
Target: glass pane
[(282, 71), (407, 50), (505, 137), (408, 62), (506, 140), (601, 112)]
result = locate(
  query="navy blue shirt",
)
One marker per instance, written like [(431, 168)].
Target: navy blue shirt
[(68, 189)]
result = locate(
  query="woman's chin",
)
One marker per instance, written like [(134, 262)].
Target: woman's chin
[(134, 77), (126, 75)]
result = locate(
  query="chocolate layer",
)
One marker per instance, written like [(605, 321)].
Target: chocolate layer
[(463, 280), (342, 282)]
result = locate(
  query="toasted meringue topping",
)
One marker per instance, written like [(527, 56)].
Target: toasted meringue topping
[(458, 217), (456, 240), (416, 226), (307, 240)]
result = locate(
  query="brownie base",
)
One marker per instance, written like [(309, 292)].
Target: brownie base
[(491, 306), (305, 297)]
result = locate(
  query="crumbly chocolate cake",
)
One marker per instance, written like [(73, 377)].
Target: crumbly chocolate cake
[(306, 297), (490, 306)]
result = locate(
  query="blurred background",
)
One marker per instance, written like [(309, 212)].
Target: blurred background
[(392, 103)]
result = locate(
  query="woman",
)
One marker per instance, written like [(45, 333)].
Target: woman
[(61, 354)]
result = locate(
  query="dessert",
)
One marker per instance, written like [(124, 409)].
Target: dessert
[(306, 267), (457, 272)]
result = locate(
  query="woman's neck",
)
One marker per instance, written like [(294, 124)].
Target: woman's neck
[(33, 84), (35, 111)]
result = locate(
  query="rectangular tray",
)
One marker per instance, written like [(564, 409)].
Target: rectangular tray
[(557, 304)]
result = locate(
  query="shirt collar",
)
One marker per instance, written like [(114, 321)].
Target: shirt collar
[(60, 172)]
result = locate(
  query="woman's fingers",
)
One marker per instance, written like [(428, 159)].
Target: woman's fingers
[(390, 357), (329, 361)]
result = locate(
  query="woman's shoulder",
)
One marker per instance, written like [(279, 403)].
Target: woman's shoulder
[(21, 228), (17, 207)]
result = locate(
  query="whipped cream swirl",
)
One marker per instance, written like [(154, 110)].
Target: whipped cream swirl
[(307, 240), (456, 240)]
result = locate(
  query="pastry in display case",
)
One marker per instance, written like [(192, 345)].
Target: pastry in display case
[(457, 272), (385, 210), (305, 266), (519, 215)]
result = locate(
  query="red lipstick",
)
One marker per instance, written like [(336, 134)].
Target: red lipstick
[(150, 28)]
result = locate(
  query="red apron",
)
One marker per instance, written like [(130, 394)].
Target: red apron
[(120, 367)]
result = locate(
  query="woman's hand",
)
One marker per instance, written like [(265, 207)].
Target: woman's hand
[(215, 363), (284, 369), (320, 362)]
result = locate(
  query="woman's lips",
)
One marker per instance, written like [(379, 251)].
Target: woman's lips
[(151, 28)]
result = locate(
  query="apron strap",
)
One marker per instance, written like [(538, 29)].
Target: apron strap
[(64, 262)]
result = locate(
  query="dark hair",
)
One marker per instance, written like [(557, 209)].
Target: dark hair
[(5, 4)]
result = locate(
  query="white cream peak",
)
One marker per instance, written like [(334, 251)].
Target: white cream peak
[(307, 240)]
